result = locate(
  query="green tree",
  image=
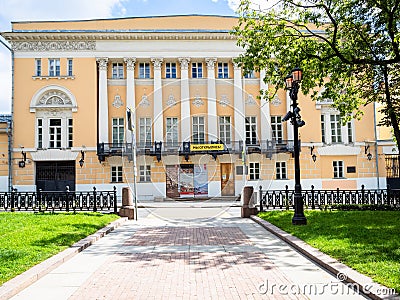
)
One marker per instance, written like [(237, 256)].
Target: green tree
[(348, 50)]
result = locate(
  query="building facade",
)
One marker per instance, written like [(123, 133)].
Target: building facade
[(199, 128)]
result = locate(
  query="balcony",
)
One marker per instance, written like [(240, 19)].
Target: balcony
[(114, 149)]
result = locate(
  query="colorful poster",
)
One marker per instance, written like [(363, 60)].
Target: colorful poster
[(200, 180), (172, 182), (186, 187)]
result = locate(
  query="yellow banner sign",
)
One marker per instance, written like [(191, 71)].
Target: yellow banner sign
[(206, 147)]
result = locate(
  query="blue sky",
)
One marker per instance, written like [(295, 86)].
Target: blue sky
[(36, 10)]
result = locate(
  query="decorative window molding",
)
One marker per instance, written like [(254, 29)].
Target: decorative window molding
[(53, 96)]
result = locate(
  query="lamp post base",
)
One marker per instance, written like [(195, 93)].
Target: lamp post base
[(299, 220)]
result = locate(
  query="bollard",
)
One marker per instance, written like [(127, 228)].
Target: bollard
[(246, 197)]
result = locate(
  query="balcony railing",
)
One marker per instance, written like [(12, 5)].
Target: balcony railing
[(114, 149)]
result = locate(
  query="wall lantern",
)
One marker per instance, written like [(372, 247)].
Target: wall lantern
[(21, 163), (82, 160), (369, 155), (313, 156)]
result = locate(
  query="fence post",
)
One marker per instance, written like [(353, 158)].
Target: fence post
[(115, 200), (362, 194), (388, 195), (67, 198), (260, 197), (13, 191), (312, 197), (94, 199), (39, 196), (287, 196)]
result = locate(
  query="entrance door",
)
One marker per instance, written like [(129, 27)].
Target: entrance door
[(227, 180), (55, 175)]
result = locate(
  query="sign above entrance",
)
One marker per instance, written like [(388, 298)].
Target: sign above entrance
[(206, 147)]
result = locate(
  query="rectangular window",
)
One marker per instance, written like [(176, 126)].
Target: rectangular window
[(323, 128), (144, 70), (254, 170), (118, 130), (338, 169), (116, 174), (198, 130), (145, 132), (197, 70), (170, 70), (281, 170), (40, 133), (145, 173), (350, 132), (223, 70), (225, 129), (70, 133), (117, 71), (336, 131), (172, 132), (54, 67), (55, 133), (38, 67), (250, 74), (251, 131), (69, 67), (277, 130)]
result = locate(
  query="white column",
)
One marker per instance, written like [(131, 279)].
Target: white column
[(185, 100), (238, 103), (158, 119), (266, 131), (212, 125), (103, 100), (130, 93), (289, 126)]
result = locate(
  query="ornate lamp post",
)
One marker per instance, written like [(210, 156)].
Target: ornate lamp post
[(292, 83)]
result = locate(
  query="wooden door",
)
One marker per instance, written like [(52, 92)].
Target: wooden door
[(227, 180)]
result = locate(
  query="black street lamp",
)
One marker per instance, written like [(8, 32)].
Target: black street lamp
[(292, 83)]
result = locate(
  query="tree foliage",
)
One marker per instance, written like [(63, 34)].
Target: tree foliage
[(348, 50)]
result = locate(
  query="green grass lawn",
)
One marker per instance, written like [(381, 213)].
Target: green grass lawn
[(367, 241), (26, 239)]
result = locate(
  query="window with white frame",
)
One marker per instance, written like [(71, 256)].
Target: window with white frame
[(254, 170), (38, 67), (145, 173), (280, 170), (336, 129), (118, 130), (198, 130), (170, 70), (117, 71), (197, 70), (172, 132), (55, 133), (251, 130), (225, 129), (40, 133), (250, 74), (116, 174), (69, 67), (54, 67), (338, 169), (144, 70), (277, 129), (323, 128), (145, 132), (70, 133), (223, 70), (350, 132)]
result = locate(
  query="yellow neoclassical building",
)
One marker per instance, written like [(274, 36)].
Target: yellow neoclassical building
[(199, 127)]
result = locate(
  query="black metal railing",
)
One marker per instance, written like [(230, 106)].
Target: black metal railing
[(320, 199), (104, 201), (114, 149)]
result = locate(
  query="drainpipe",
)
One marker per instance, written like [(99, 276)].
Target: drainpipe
[(10, 125), (376, 148)]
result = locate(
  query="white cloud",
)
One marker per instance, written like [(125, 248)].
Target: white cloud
[(5, 81), (257, 4)]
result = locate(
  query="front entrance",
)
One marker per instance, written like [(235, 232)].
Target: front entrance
[(227, 180), (55, 175)]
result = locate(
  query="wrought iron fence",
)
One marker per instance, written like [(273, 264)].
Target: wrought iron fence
[(319, 199), (104, 201)]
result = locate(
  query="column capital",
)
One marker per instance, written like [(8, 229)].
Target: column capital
[(211, 62), (130, 63), (236, 65), (184, 61), (157, 62), (102, 63)]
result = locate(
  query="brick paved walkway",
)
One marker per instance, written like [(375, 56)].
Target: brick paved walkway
[(179, 273)]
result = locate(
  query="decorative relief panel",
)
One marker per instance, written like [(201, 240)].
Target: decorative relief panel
[(198, 101), (250, 100), (276, 101), (54, 46), (224, 101), (117, 103), (171, 101), (145, 101), (54, 98)]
